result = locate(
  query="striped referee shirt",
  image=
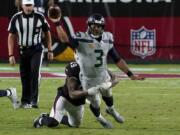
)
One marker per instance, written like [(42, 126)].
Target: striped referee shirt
[(28, 27)]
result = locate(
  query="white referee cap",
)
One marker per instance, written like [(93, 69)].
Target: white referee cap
[(25, 2)]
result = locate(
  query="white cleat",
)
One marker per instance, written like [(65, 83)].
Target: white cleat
[(13, 97), (115, 115), (105, 123)]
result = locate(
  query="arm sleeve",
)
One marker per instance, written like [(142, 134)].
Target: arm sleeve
[(114, 55)]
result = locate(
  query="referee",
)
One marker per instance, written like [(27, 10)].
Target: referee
[(28, 26)]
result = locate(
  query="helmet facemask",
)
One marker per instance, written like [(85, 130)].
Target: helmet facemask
[(96, 30), (96, 25)]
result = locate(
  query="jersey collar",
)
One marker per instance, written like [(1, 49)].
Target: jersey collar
[(27, 16)]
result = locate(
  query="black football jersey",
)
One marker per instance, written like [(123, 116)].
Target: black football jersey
[(72, 70)]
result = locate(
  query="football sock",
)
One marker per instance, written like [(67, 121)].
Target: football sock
[(95, 111), (4, 93), (9, 93), (108, 100)]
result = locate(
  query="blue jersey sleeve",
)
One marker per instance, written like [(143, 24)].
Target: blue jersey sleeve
[(114, 55)]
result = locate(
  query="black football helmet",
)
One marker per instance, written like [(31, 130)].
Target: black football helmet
[(72, 69), (96, 24)]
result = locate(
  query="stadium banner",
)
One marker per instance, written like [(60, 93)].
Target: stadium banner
[(142, 29)]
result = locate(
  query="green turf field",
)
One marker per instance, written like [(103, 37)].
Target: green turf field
[(151, 107)]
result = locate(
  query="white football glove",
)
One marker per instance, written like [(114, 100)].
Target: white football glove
[(93, 91), (105, 86)]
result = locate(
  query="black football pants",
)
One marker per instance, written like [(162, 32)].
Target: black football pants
[(30, 64)]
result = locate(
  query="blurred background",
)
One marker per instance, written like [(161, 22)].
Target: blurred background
[(145, 31)]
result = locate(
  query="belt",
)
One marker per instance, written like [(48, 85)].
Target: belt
[(30, 47)]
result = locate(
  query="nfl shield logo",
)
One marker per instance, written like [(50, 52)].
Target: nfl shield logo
[(143, 42)]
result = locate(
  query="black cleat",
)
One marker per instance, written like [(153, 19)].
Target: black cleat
[(34, 106), (37, 123)]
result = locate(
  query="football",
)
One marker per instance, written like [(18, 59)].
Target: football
[(54, 12)]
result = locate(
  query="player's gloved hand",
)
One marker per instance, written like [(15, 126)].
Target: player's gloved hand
[(93, 90), (12, 60), (109, 84), (135, 77), (115, 81), (105, 85)]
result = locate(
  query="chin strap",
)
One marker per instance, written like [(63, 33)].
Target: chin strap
[(92, 35), (95, 36)]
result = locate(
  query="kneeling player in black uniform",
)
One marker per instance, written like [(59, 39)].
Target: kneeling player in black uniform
[(70, 99)]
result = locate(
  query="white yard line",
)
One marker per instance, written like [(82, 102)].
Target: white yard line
[(146, 94), (113, 69)]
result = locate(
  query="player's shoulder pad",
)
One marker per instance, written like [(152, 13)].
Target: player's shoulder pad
[(109, 36)]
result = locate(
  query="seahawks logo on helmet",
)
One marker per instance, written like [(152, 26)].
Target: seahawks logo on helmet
[(96, 19)]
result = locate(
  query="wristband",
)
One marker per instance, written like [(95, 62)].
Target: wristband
[(58, 23), (11, 55), (129, 73)]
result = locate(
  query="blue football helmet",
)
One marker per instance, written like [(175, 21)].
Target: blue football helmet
[(96, 24)]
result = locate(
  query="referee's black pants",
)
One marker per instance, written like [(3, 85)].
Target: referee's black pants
[(30, 64)]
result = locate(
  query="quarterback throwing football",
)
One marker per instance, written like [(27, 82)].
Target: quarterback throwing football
[(91, 50)]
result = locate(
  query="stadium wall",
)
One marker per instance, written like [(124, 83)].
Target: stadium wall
[(144, 30)]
